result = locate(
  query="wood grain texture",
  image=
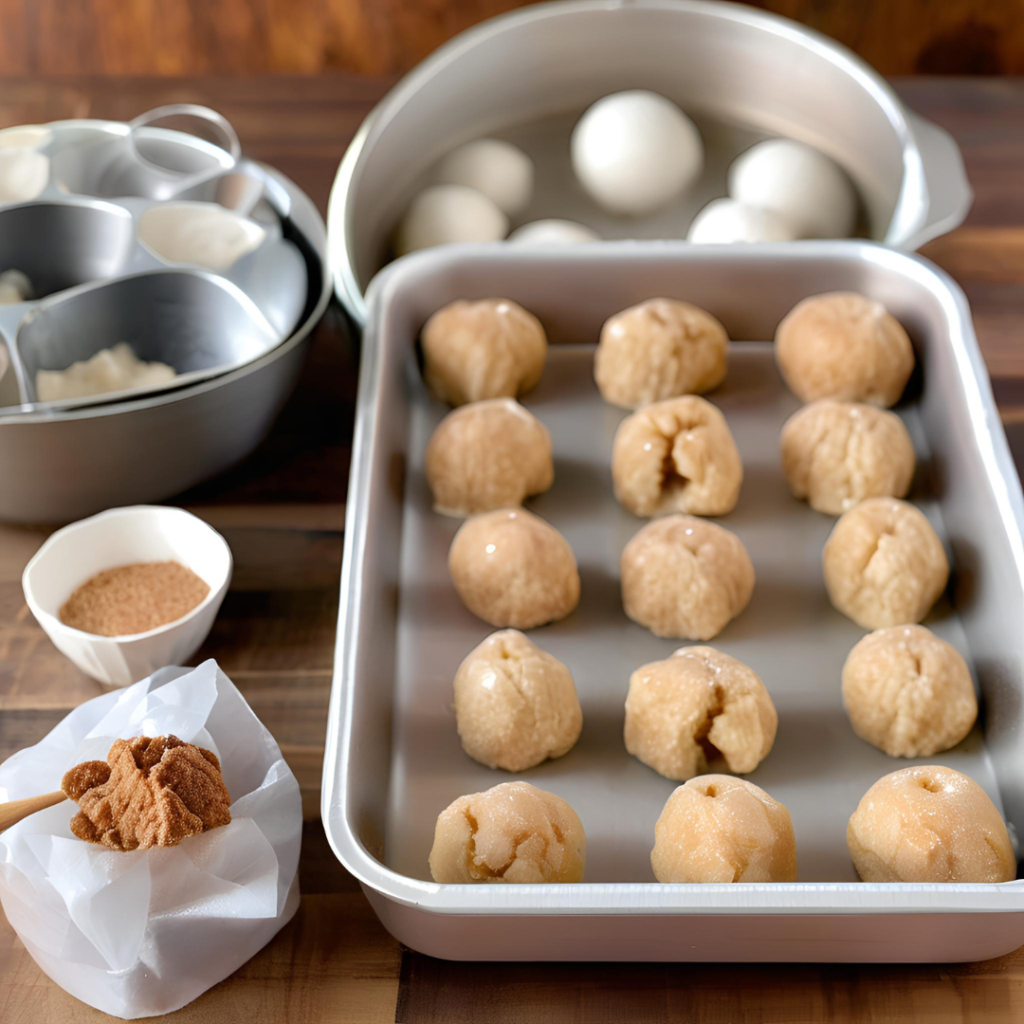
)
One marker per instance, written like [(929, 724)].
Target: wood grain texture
[(282, 512), (188, 37)]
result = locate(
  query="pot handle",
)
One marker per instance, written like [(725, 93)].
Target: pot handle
[(949, 193)]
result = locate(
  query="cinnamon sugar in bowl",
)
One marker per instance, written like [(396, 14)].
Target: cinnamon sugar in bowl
[(130, 590)]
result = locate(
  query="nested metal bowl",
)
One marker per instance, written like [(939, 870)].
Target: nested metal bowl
[(741, 73), (236, 338)]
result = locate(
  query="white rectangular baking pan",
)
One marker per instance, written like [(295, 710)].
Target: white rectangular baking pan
[(393, 756)]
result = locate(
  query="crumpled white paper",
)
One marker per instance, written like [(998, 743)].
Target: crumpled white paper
[(142, 933)]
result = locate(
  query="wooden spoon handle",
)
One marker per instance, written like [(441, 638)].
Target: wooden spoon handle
[(14, 810)]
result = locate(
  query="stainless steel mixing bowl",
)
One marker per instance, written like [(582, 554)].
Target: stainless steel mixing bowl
[(743, 74)]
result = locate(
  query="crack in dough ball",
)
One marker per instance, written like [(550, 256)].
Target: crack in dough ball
[(908, 692), (884, 564), (491, 348), (515, 705), (844, 345), (659, 349), (676, 456), (488, 455), (511, 568), (717, 829), (685, 578), (929, 824), (836, 454), (513, 833), (697, 709)]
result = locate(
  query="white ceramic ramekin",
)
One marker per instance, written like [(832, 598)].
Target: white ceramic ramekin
[(122, 536)]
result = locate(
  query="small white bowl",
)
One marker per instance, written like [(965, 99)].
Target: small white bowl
[(122, 536)]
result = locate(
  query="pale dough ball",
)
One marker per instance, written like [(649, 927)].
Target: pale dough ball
[(513, 569), (844, 345), (501, 171), (799, 183), (908, 692), (513, 833), (491, 348), (836, 454), (515, 705), (443, 214), (884, 564), (697, 709), (635, 151), (553, 232), (659, 349), (726, 220), (488, 455), (929, 824), (720, 829), (24, 173), (685, 578), (676, 456)]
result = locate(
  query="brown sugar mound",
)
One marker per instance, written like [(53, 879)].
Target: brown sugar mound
[(150, 791), (134, 598)]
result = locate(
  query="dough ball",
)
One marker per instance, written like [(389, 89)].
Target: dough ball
[(513, 569), (884, 564), (515, 705), (685, 578), (836, 454), (843, 345), (726, 220), (635, 151), (15, 287), (491, 348), (24, 173), (659, 349), (676, 456), (908, 692), (488, 455), (553, 232), (809, 190), (501, 171), (720, 829), (512, 833), (442, 214), (929, 824), (697, 709)]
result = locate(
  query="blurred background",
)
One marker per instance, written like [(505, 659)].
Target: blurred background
[(387, 37)]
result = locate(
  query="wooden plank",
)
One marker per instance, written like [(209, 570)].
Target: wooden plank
[(199, 37)]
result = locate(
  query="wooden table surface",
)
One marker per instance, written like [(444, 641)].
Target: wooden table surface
[(282, 512)]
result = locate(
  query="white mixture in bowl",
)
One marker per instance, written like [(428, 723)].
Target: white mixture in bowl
[(112, 369)]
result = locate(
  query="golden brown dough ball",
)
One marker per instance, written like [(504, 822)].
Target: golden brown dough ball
[(844, 345), (720, 829), (491, 348), (929, 824), (676, 456), (836, 454), (513, 833), (515, 705), (659, 349), (685, 578), (488, 455), (908, 692), (511, 568), (884, 564), (697, 709)]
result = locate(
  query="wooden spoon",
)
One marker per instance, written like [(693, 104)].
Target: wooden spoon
[(14, 810)]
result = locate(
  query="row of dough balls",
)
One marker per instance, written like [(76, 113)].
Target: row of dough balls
[(906, 691), (839, 345), (683, 577), (924, 824)]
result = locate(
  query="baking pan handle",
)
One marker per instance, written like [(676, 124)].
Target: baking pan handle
[(219, 128), (949, 192)]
